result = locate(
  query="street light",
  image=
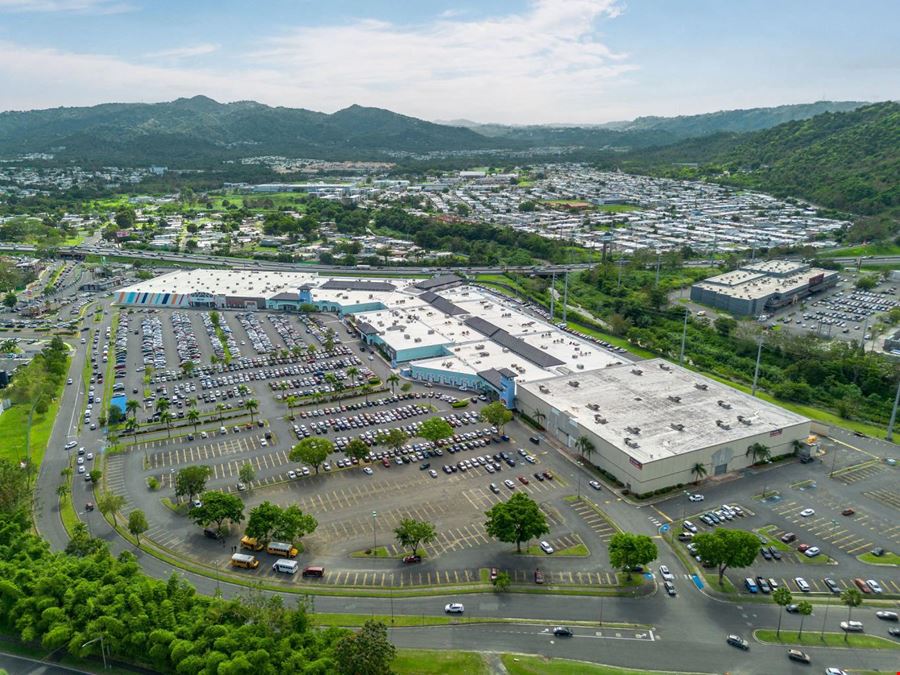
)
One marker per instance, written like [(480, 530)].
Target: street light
[(102, 650), (374, 515)]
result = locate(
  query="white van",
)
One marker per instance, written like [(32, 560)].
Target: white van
[(286, 566)]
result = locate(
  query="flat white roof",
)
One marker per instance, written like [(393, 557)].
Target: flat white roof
[(616, 403), (250, 283)]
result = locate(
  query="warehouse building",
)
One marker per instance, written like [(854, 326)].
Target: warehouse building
[(763, 287)]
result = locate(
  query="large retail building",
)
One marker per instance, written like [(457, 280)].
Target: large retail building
[(651, 422)]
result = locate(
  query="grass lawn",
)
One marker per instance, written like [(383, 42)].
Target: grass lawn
[(613, 340), (426, 662), (712, 580), (618, 208), (886, 559), (577, 550), (777, 543), (13, 424), (379, 552), (519, 664), (814, 639), (864, 249)]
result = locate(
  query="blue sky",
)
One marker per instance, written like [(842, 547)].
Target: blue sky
[(512, 61)]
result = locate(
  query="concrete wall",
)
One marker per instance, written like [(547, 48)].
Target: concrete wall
[(469, 381)]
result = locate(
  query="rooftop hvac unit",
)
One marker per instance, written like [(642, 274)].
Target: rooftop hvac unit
[(677, 427), (543, 389), (593, 406), (675, 399), (633, 430), (722, 425), (574, 383), (580, 366), (637, 371), (631, 443), (505, 350), (418, 340), (665, 366), (431, 331), (744, 420), (724, 404), (702, 386), (479, 346), (599, 419)]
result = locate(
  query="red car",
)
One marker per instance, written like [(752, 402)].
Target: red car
[(847, 512), (386, 464), (412, 559), (538, 576), (547, 475), (523, 480), (803, 547), (862, 585)]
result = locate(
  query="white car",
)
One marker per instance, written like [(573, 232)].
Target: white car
[(454, 608), (292, 474), (852, 626), (81, 469), (666, 574), (368, 471), (432, 473), (196, 503), (806, 513), (835, 671), (81, 460), (696, 498), (71, 444), (546, 547), (594, 484), (875, 586), (812, 552)]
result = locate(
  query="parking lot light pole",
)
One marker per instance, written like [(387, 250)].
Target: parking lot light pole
[(374, 515)]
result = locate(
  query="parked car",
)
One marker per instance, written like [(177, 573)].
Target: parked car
[(546, 547), (862, 585), (409, 559), (806, 513), (594, 484), (875, 586), (788, 537), (847, 512)]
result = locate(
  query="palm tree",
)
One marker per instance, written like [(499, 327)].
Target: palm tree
[(758, 453), (131, 406), (698, 471), (243, 389), (251, 404), (166, 417), (110, 503), (366, 389), (585, 446), (329, 340), (352, 372), (193, 416), (804, 609), (291, 401), (162, 405), (852, 598), (393, 379), (782, 597), (63, 490), (311, 349), (187, 368), (220, 408)]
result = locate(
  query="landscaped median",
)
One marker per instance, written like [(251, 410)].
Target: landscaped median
[(520, 664), (816, 639), (886, 560)]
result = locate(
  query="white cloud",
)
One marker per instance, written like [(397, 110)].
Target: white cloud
[(544, 64), (75, 6), (184, 52)]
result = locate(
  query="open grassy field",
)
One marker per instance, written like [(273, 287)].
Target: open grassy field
[(864, 249), (618, 208), (428, 662), (520, 664), (13, 423)]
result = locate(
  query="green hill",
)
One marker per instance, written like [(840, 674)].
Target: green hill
[(847, 161), (199, 129)]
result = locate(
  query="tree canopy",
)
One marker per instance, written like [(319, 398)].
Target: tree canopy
[(313, 450), (627, 550), (727, 548), (516, 520)]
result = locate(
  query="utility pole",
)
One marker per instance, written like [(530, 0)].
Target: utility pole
[(683, 336), (374, 515), (552, 296), (890, 429), (657, 268), (862, 338), (756, 371), (565, 295)]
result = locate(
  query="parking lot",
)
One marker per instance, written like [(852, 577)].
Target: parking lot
[(843, 312), (464, 476), (806, 503)]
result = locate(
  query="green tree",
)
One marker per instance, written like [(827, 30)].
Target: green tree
[(725, 326), (352, 373), (516, 520), (294, 524), (110, 504), (851, 597), (312, 450), (166, 418), (435, 429), (131, 407), (251, 404), (291, 401), (698, 472), (782, 597), (96, 475), (758, 453), (137, 524), (269, 521), (626, 550), (188, 368), (804, 609), (727, 548), (82, 544), (392, 380), (247, 473), (193, 416), (585, 446), (502, 582), (357, 449), (368, 652), (10, 299), (496, 414), (191, 481), (393, 438), (867, 282), (411, 532), (63, 490), (217, 507)]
